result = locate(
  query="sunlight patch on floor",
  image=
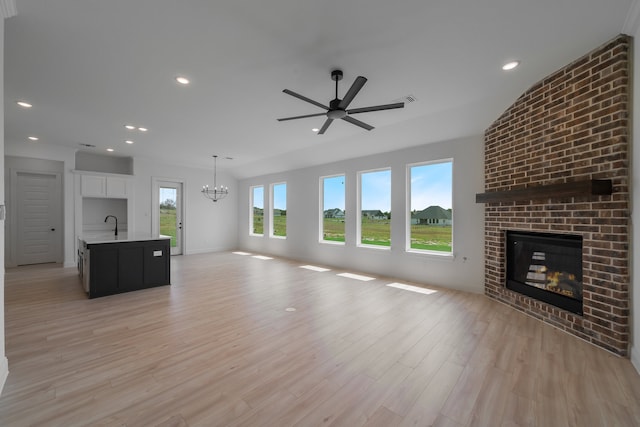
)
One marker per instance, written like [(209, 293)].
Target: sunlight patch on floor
[(356, 277), (412, 288), (314, 268)]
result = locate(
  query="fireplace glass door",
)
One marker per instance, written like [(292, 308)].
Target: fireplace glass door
[(547, 267)]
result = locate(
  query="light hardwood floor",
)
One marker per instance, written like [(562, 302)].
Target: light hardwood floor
[(218, 347)]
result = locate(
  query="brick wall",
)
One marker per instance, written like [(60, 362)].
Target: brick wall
[(573, 125)]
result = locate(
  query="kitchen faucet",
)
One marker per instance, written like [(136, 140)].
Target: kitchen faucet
[(114, 217)]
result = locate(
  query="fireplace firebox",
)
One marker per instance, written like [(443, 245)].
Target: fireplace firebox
[(547, 267)]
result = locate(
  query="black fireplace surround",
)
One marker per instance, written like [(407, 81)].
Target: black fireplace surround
[(547, 267)]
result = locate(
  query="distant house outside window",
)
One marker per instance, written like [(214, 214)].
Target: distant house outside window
[(257, 211), (375, 208), (333, 211), (431, 210), (279, 212)]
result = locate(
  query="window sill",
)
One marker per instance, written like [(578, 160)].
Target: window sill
[(374, 247), (445, 256)]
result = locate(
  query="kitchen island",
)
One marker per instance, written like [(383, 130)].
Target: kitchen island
[(110, 264)]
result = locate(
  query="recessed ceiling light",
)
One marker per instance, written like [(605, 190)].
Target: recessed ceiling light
[(33, 138), (182, 80), (510, 65), (315, 130), (24, 104), (128, 141), (143, 129), (110, 150), (130, 127)]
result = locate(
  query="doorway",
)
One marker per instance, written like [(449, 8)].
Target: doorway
[(170, 213), (38, 218)]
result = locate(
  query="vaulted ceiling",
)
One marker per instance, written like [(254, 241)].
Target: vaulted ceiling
[(90, 67)]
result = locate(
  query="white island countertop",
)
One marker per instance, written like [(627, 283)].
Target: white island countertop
[(123, 236)]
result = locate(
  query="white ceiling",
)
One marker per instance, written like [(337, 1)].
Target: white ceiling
[(91, 66)]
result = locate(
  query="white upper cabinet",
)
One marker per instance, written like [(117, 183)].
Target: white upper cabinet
[(93, 186), (105, 186), (118, 187)]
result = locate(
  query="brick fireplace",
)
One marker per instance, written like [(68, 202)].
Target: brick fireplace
[(567, 130)]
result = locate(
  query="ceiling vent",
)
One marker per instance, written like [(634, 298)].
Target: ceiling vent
[(407, 99), (87, 145)]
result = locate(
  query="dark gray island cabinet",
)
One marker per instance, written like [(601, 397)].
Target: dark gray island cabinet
[(116, 264)]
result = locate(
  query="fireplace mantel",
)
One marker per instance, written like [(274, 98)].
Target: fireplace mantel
[(592, 187)]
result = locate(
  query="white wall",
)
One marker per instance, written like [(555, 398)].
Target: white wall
[(464, 271), (29, 150), (12, 165), (208, 226)]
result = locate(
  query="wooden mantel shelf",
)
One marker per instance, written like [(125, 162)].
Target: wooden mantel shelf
[(592, 187)]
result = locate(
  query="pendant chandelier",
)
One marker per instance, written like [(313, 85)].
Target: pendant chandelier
[(216, 193)]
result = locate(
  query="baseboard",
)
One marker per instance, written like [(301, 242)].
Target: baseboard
[(69, 264), (635, 358), (205, 251), (4, 372)]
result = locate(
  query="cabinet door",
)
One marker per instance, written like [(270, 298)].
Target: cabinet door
[(93, 186), (157, 263), (117, 187), (130, 267), (104, 270)]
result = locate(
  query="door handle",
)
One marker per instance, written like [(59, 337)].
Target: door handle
[(53, 229)]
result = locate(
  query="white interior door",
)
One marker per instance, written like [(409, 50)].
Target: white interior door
[(39, 233), (170, 214)]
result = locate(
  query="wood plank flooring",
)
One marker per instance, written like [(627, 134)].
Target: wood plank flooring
[(219, 348)]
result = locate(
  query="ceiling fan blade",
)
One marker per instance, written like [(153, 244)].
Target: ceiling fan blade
[(357, 122), (352, 92), (376, 108), (302, 117), (325, 126), (304, 98)]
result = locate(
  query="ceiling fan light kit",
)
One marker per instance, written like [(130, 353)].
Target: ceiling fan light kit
[(337, 109)]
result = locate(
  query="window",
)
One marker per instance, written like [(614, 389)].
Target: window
[(257, 210), (431, 216), (279, 212), (333, 213), (375, 208)]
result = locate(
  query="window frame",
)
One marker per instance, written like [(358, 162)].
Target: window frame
[(409, 188), (322, 209), (272, 206), (359, 208), (251, 208)]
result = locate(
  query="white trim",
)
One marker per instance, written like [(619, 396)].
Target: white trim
[(4, 372), (322, 208), (251, 207), (8, 8), (13, 224), (635, 357), (155, 202), (632, 20), (359, 174), (408, 191), (272, 206)]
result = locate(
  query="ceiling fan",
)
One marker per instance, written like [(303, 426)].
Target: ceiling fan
[(337, 108)]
